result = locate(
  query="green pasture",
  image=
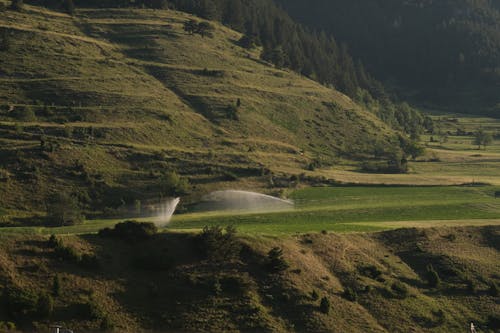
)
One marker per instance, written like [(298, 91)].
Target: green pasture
[(338, 209)]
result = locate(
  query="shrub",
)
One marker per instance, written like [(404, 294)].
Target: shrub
[(276, 263), (67, 253), (171, 184), (92, 310), (471, 285), (314, 295), (324, 305), (493, 290), (400, 289), (217, 245), (24, 114), (433, 279), (350, 294), (56, 286), (371, 271), (19, 303), (45, 306), (131, 231), (106, 324), (63, 209), (248, 41), (205, 29), (53, 241)]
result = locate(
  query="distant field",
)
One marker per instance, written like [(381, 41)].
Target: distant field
[(455, 161), (342, 209)]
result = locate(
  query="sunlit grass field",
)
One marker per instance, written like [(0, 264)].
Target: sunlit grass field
[(339, 209)]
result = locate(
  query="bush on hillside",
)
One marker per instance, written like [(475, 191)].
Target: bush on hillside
[(24, 113), (106, 324), (173, 185), (433, 279), (130, 231), (370, 271), (70, 254), (56, 286), (204, 29), (350, 294), (276, 263), (63, 210), (324, 305), (400, 290), (19, 303), (45, 306), (217, 244), (249, 42), (493, 289)]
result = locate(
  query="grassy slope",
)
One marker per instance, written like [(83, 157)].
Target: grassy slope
[(184, 298), (127, 97)]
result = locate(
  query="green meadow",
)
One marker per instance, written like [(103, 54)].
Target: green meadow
[(338, 209)]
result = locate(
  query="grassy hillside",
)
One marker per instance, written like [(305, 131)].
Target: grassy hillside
[(385, 274), (104, 102)]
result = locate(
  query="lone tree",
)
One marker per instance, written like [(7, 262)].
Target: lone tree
[(56, 286), (482, 138), (63, 209), (275, 261), (190, 26), (324, 305), (205, 29)]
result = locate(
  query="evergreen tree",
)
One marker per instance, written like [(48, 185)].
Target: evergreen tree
[(324, 305), (56, 286), (275, 260)]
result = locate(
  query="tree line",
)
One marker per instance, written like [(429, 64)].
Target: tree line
[(446, 50)]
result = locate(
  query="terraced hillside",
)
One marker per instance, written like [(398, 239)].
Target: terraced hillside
[(376, 282), (103, 102)]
